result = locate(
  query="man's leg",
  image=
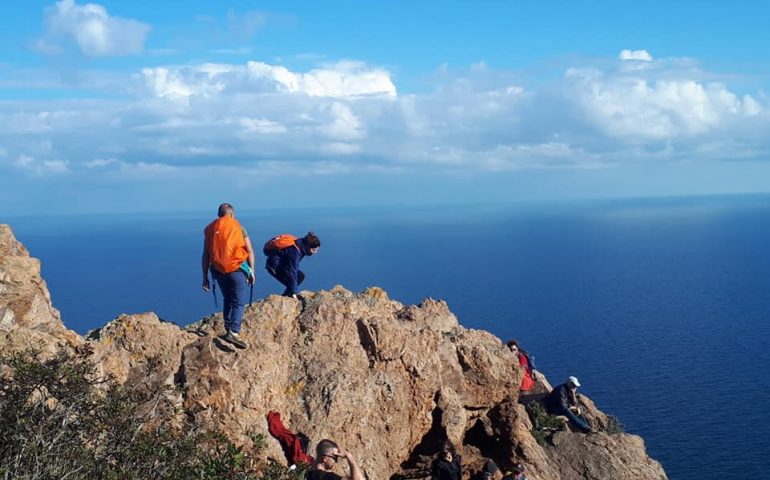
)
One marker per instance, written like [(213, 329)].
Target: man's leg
[(239, 289), (225, 288), (578, 420)]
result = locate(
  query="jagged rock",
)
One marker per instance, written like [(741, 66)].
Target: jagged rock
[(27, 317), (126, 348), (385, 380), (599, 457)]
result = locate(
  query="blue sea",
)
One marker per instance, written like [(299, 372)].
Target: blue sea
[(659, 306)]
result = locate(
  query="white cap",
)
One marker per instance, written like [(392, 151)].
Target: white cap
[(574, 381)]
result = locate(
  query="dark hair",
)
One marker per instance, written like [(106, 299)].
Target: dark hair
[(311, 240), (447, 446), (324, 447), (490, 468), (224, 209), (515, 343)]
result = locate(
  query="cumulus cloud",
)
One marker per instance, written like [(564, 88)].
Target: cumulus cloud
[(258, 118), (632, 105), (639, 55), (92, 29), (343, 79)]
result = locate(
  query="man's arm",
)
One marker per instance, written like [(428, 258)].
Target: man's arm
[(355, 471), (252, 277), (205, 262)]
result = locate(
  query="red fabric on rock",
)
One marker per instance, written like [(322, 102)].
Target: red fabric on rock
[(290, 442)]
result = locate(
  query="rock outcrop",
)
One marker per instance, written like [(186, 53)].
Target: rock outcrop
[(386, 380), (27, 317)]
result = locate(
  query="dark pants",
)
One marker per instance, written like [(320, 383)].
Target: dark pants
[(578, 420), (282, 276), (234, 287)]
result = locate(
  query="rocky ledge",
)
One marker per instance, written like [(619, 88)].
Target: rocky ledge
[(386, 380)]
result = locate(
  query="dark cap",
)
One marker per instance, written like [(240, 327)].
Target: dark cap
[(490, 468), (518, 468)]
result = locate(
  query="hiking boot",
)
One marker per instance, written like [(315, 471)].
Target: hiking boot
[(233, 338)]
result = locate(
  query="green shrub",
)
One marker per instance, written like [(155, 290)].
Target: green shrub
[(276, 471), (614, 425), (543, 423), (57, 423)]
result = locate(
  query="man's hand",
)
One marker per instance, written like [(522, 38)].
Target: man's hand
[(205, 284), (355, 471), (252, 277), (346, 454)]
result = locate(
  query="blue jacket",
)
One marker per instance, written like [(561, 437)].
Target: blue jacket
[(285, 263), (560, 399)]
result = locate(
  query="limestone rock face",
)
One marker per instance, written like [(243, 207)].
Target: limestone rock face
[(27, 318), (385, 380)]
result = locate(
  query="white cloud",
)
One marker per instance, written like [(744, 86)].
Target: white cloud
[(41, 167), (627, 104), (25, 161), (341, 80), (95, 32), (638, 55), (347, 117), (340, 148), (99, 162), (261, 125), (55, 166), (342, 123)]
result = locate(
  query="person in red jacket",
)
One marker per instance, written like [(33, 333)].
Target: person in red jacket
[(527, 363)]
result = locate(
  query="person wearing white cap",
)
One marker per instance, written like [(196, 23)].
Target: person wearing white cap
[(563, 400)]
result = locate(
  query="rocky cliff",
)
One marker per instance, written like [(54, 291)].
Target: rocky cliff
[(387, 381)]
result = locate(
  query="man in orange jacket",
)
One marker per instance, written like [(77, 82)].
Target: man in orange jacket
[(227, 253)]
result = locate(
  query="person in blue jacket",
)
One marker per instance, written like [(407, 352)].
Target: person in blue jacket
[(563, 400), (283, 264)]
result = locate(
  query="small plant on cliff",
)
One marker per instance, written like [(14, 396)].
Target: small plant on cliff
[(614, 425), (543, 423), (276, 471), (59, 420)]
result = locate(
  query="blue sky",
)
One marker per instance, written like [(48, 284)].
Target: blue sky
[(123, 107)]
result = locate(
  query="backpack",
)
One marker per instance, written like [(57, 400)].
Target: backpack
[(225, 244), (530, 361), (278, 243)]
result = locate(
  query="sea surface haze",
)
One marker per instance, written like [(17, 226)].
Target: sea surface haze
[(660, 307)]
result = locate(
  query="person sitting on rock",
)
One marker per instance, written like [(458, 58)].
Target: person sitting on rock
[(327, 453), (284, 252), (563, 400), (527, 363), (489, 472), (448, 464), (516, 472)]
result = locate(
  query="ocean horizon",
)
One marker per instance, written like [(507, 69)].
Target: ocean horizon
[(659, 306)]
